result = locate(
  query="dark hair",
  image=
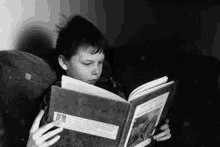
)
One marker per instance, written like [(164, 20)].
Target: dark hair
[(76, 32)]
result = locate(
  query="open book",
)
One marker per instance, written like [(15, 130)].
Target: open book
[(92, 116)]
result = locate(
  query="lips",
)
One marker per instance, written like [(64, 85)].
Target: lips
[(93, 81)]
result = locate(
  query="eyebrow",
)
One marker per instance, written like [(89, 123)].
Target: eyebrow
[(102, 59), (93, 60)]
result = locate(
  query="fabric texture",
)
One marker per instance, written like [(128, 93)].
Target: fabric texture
[(24, 80)]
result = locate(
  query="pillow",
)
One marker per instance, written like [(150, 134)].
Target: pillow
[(24, 80)]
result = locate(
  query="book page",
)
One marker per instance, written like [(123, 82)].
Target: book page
[(87, 126), (146, 117), (149, 85), (77, 85), (139, 94)]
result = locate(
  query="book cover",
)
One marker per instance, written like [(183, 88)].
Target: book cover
[(88, 120), (95, 117), (144, 115)]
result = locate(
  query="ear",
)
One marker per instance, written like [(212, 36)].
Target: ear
[(62, 62)]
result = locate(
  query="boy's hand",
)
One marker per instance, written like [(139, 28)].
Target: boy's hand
[(165, 134), (37, 138)]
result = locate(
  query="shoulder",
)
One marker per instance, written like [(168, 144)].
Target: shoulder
[(47, 94), (45, 102), (58, 83)]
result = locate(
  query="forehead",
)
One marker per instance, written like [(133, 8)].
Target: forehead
[(87, 54)]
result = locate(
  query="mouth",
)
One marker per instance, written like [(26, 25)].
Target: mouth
[(93, 81)]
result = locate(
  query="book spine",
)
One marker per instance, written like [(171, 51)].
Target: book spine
[(126, 127)]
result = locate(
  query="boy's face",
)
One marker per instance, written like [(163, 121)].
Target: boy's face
[(85, 66)]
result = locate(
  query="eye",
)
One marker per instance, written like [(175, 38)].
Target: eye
[(87, 64), (101, 62)]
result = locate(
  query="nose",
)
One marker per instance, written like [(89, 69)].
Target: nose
[(95, 70)]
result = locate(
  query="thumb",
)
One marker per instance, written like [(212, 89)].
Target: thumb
[(36, 123)]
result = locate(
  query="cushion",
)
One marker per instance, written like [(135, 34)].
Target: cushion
[(24, 80)]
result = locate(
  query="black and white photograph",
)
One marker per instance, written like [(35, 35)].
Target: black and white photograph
[(105, 51)]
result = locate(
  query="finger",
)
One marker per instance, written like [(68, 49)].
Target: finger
[(51, 142), (164, 138), (36, 123), (164, 127), (162, 134), (49, 135), (44, 129)]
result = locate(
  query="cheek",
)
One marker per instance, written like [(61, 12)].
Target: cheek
[(75, 71), (83, 71), (71, 72), (99, 70)]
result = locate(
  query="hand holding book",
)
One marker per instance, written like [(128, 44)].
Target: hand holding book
[(39, 136), (165, 134), (111, 119)]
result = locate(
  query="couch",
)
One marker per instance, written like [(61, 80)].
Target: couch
[(194, 113)]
